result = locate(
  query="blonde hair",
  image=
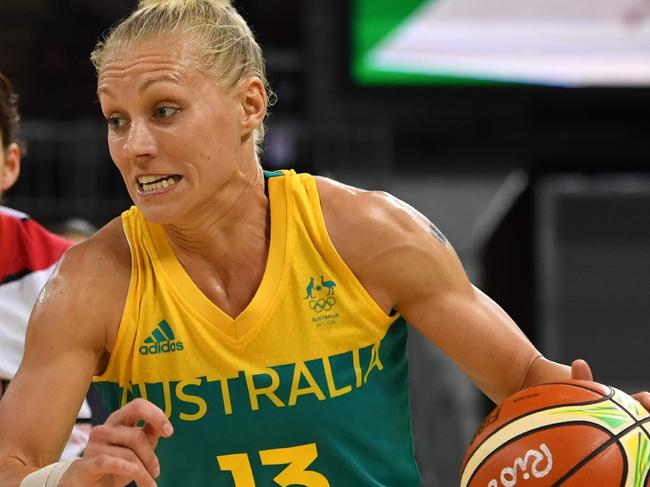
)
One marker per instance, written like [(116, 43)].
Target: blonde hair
[(224, 43)]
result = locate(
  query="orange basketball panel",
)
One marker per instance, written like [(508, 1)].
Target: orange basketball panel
[(607, 469)]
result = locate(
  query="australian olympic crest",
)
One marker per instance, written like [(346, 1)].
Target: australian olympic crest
[(320, 296)]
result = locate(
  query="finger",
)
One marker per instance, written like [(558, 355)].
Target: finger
[(105, 464), (580, 370), (151, 434), (142, 410), (103, 437), (118, 452), (643, 398), (127, 455)]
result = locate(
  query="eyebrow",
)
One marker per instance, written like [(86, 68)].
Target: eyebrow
[(148, 82), (158, 79)]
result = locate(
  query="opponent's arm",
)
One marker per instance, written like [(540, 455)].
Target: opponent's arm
[(66, 344)]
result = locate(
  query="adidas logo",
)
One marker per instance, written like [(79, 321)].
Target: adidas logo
[(161, 340)]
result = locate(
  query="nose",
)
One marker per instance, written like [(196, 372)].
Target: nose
[(140, 144)]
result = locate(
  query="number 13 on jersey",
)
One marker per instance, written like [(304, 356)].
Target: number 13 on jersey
[(296, 459)]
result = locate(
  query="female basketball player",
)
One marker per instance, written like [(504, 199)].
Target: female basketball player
[(245, 327)]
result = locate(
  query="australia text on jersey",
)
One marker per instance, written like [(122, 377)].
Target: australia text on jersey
[(279, 386)]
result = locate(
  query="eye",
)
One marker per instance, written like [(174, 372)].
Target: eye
[(163, 112), (116, 122)]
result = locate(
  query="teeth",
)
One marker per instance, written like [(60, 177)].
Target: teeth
[(153, 183), (151, 179)]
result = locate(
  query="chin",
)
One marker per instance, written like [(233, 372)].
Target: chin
[(160, 215)]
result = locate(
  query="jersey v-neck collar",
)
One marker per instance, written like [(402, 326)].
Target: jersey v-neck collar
[(253, 314)]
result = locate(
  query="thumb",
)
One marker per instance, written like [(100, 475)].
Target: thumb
[(580, 370)]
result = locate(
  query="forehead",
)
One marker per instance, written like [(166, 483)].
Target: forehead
[(172, 59)]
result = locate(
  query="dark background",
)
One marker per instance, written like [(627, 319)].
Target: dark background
[(544, 192), (44, 47)]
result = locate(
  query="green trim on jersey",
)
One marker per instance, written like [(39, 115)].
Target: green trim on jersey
[(271, 174)]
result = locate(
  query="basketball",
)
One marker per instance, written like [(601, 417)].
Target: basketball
[(573, 434)]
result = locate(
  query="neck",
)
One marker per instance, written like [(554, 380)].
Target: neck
[(234, 230)]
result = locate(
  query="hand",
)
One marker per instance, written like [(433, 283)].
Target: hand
[(120, 451), (580, 370)]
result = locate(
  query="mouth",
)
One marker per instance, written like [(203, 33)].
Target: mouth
[(154, 183)]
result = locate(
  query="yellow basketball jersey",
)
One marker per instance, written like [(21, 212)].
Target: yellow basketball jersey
[(307, 386)]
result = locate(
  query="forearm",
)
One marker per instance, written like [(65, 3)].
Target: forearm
[(13, 471), (48, 476)]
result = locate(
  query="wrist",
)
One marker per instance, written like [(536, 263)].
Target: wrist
[(48, 476), (541, 371)]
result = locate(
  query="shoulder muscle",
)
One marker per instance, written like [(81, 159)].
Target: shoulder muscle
[(397, 253)]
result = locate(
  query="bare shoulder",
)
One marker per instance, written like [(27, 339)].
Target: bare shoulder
[(387, 243), (102, 259), (378, 210), (90, 283), (107, 247)]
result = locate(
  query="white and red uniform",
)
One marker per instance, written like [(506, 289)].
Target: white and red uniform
[(28, 254)]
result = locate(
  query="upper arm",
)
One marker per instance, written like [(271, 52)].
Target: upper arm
[(407, 264), (65, 346)]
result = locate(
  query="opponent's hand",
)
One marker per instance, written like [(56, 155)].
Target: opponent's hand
[(120, 451), (580, 370)]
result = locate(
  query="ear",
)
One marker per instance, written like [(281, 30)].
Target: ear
[(11, 167), (253, 102)]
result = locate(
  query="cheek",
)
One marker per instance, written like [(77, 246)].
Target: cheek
[(114, 149)]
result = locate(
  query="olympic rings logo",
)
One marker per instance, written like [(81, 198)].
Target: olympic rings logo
[(320, 305)]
